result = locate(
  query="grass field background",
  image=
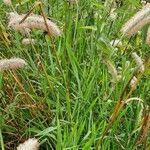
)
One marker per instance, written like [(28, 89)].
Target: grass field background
[(65, 95)]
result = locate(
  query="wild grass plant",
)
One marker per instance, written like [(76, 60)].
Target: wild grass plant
[(85, 86)]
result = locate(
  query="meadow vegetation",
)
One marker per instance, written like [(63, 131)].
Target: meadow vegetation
[(74, 75)]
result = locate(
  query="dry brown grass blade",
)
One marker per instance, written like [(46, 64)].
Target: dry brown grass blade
[(26, 96), (118, 107), (8, 88)]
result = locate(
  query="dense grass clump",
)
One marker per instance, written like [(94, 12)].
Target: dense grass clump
[(83, 85)]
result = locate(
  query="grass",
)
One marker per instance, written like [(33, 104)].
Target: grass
[(64, 97)]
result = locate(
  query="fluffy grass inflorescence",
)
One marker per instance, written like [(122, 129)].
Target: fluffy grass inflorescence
[(30, 144), (133, 82), (139, 62), (72, 2), (137, 22), (14, 20), (12, 63), (112, 70), (7, 2), (32, 21), (28, 41), (116, 43), (148, 37)]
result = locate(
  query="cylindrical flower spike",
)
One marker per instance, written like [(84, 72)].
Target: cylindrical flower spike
[(133, 82), (30, 144), (14, 20), (27, 41), (116, 43), (137, 22), (148, 36), (112, 70), (12, 64), (139, 62), (72, 2), (32, 21), (7, 2)]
